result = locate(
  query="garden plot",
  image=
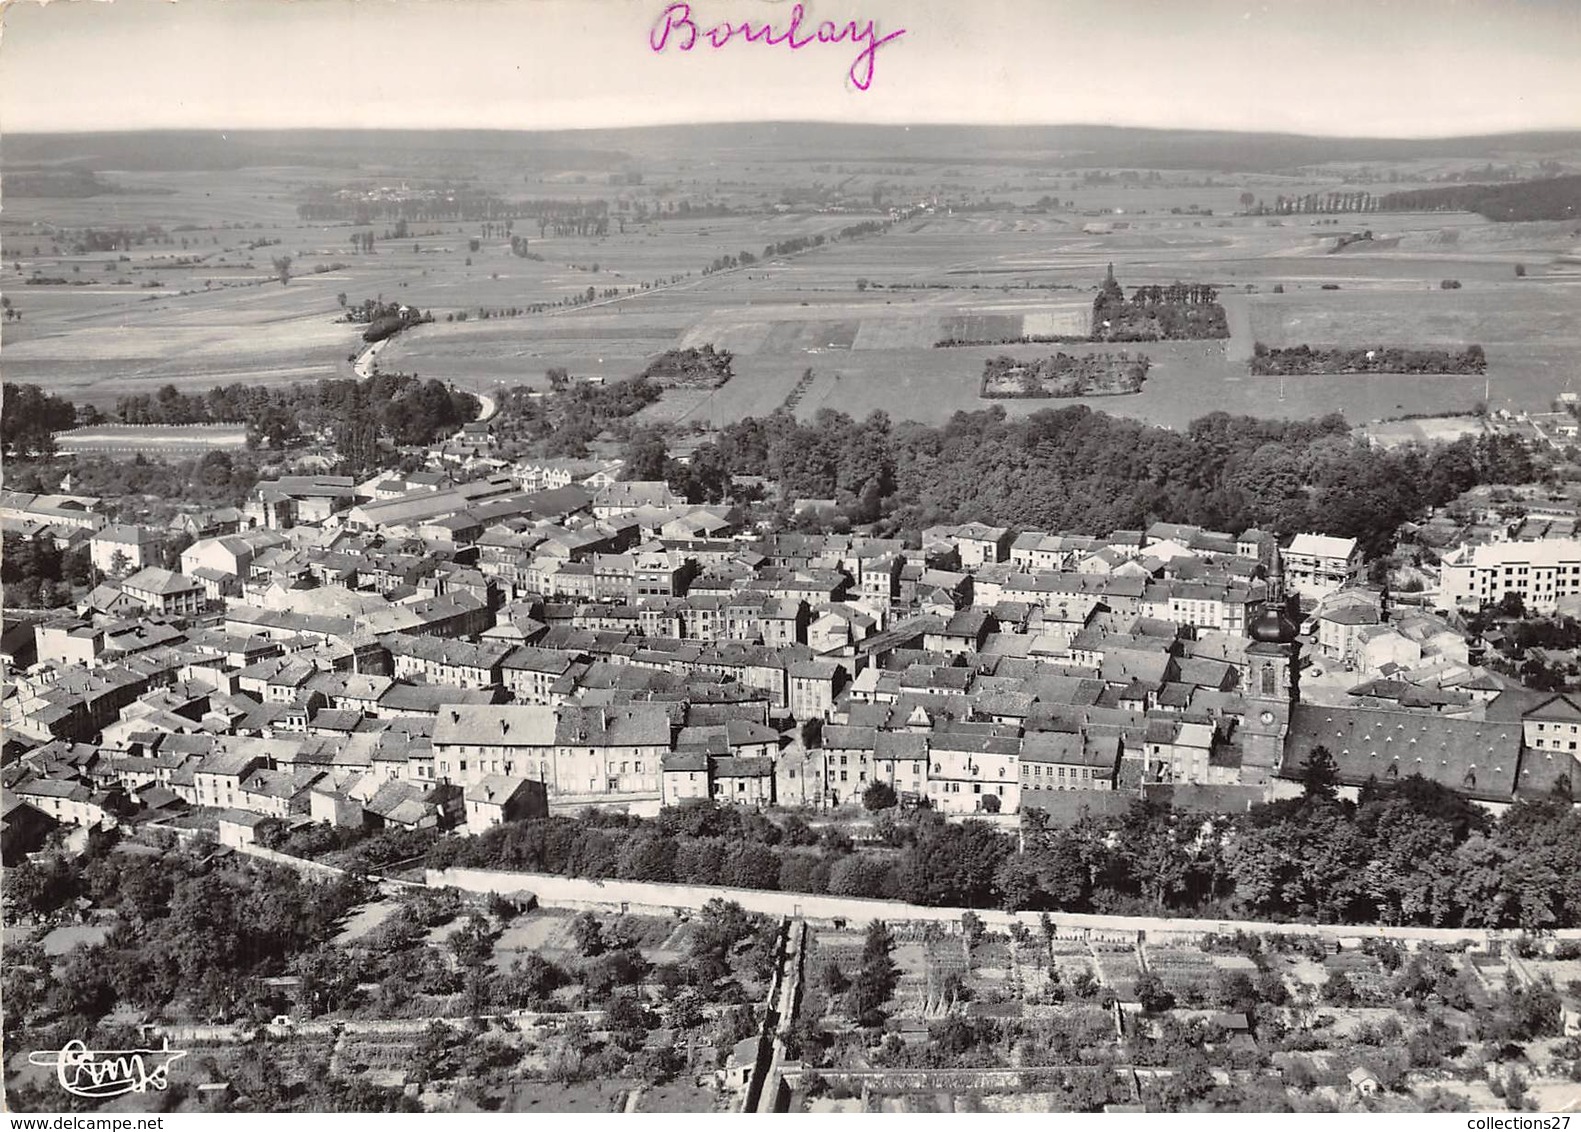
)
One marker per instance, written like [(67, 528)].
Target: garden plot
[(1032, 960), (1489, 970), (365, 920), (679, 939), (842, 950), (912, 995), (947, 968), (1181, 969), (537, 933), (71, 936), (1118, 968), (1233, 963), (1071, 959), (645, 933), (992, 958), (1365, 973), (381, 1061)]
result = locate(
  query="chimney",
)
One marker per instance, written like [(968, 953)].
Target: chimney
[(505, 727), (455, 717)]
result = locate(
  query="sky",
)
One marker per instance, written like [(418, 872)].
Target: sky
[(1379, 68)]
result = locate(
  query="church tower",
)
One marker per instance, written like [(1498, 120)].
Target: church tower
[(1273, 685)]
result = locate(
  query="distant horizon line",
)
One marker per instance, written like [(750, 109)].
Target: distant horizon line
[(1532, 131)]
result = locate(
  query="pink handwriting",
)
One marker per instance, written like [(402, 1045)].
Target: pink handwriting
[(677, 20)]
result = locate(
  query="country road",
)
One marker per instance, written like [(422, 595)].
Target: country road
[(363, 368), (1238, 314)]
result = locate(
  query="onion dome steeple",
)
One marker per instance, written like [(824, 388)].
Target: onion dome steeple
[(1273, 626)]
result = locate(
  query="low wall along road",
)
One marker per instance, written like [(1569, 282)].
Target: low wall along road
[(663, 899)]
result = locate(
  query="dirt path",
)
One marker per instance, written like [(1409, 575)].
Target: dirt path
[(1238, 313)]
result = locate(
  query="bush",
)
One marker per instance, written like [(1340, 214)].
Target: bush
[(879, 796)]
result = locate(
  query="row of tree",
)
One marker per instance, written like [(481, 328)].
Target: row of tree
[(1408, 853), (356, 414), (1304, 360)]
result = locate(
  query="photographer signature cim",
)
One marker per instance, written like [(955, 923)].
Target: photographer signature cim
[(100, 1073)]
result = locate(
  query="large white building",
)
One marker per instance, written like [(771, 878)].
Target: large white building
[(1318, 565), (1541, 572)]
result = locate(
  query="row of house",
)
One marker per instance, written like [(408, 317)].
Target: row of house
[(451, 651)]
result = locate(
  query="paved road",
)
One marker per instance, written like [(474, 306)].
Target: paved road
[(362, 366)]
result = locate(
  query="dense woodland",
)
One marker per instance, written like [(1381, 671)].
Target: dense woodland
[(1410, 852), (1302, 360), (1076, 469), (1551, 198), (1064, 375)]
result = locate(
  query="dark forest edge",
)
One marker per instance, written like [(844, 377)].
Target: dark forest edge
[(1550, 198)]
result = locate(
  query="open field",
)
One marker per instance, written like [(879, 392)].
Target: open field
[(980, 247)]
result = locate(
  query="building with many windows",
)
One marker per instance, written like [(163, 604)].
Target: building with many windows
[(1317, 565), (1542, 573)]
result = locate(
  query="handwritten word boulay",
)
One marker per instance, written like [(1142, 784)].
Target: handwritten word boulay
[(676, 26)]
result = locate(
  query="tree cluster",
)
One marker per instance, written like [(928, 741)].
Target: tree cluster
[(39, 575), (1178, 311), (695, 367), (215, 479), (29, 418), (190, 929), (355, 414), (1302, 360), (1064, 375), (570, 417)]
